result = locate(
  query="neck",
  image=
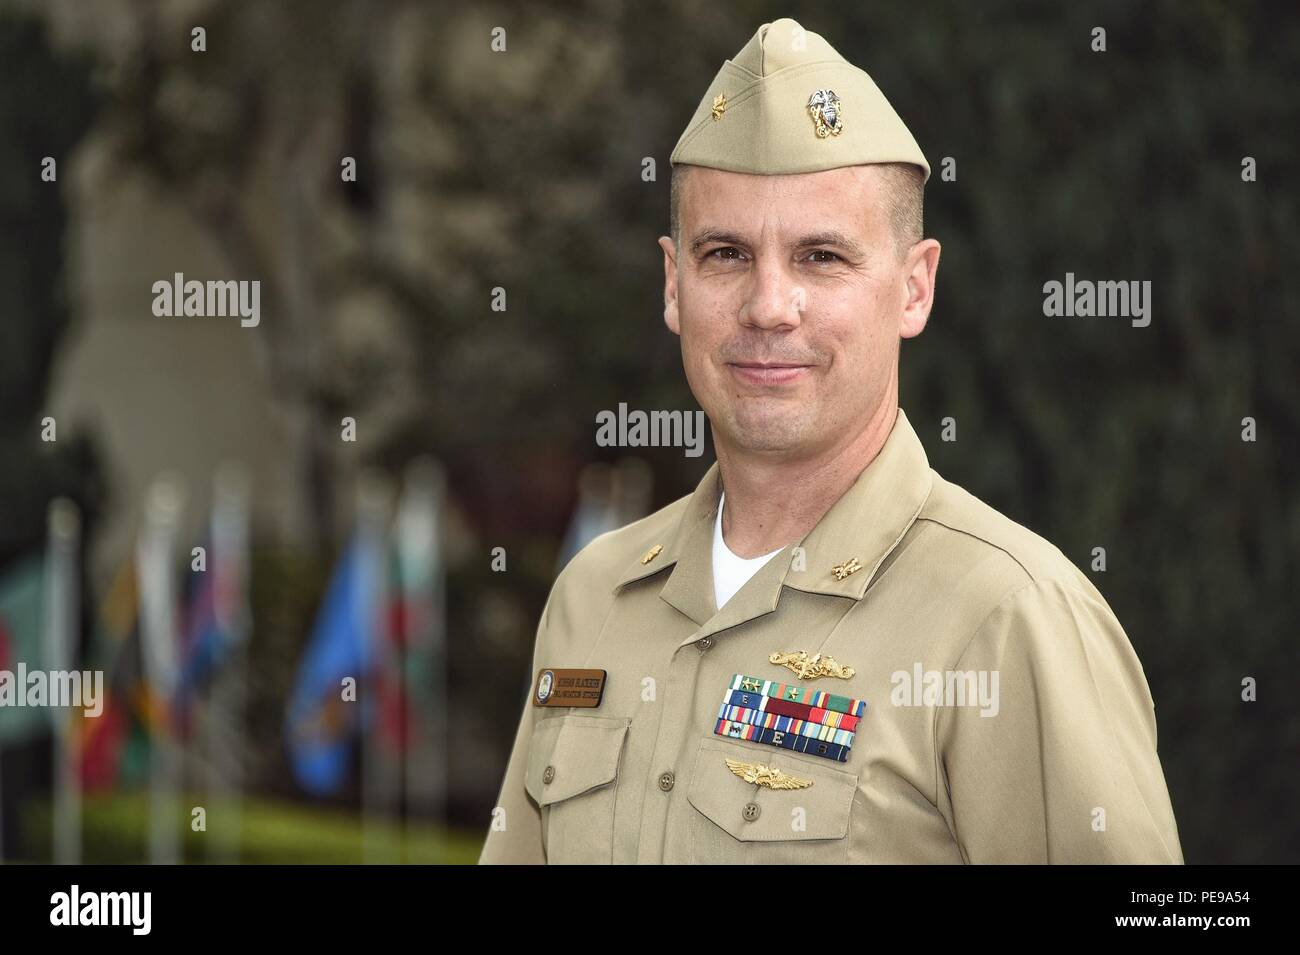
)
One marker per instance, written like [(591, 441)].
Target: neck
[(772, 502)]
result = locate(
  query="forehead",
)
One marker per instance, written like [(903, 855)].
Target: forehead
[(852, 199)]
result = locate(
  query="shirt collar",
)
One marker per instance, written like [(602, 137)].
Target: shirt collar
[(864, 525), (869, 520)]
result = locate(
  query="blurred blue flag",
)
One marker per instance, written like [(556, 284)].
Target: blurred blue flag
[(203, 640), (319, 724)]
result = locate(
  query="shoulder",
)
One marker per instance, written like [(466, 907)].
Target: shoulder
[(963, 520), (980, 556), (603, 561), (586, 588)]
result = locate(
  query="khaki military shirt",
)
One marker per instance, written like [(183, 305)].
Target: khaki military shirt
[(1058, 765)]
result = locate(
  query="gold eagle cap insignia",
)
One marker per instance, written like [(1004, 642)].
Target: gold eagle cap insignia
[(811, 667), (827, 113), (767, 776)]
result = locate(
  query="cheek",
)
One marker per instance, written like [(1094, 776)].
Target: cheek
[(696, 353), (865, 322), (703, 330)]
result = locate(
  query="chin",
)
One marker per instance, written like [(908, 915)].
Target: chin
[(770, 434)]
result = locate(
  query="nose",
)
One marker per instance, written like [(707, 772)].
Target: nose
[(774, 299)]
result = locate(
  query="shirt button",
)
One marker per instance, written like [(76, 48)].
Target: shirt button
[(548, 774), (704, 643), (751, 811), (666, 781)]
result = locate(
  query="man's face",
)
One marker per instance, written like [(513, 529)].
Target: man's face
[(790, 298)]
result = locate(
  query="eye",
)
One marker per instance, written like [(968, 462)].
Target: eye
[(726, 253), (830, 257)]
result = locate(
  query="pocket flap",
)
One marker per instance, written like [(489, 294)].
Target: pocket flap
[(722, 796), (570, 755)]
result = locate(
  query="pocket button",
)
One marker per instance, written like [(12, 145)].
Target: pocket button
[(740, 823), (572, 772)]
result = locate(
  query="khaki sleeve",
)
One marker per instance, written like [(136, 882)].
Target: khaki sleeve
[(1063, 769), (515, 834)]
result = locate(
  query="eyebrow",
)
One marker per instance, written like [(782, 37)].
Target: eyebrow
[(826, 237)]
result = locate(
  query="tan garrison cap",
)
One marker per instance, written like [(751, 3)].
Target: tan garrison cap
[(789, 103)]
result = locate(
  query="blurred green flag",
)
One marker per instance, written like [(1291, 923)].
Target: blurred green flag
[(22, 612)]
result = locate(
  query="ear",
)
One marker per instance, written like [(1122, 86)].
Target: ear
[(920, 267), (671, 318)]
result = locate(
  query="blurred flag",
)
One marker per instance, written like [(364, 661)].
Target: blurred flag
[(159, 615), (633, 487), (215, 605), (608, 498), (594, 514), (216, 654), (319, 724), (203, 641), (395, 715), (418, 625), (114, 747), (22, 606), (63, 654)]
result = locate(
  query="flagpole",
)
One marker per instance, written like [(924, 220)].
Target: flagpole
[(380, 775), (423, 569), (154, 559), (62, 615), (225, 723)]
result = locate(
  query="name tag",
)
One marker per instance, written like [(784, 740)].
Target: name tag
[(569, 688)]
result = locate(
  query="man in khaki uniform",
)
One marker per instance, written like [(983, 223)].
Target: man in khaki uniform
[(897, 672)]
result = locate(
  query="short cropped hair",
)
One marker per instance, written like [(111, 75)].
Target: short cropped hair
[(904, 185)]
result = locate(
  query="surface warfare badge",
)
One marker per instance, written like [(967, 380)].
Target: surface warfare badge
[(569, 687), (792, 717), (827, 113)]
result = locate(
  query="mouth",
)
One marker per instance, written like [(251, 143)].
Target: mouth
[(767, 373)]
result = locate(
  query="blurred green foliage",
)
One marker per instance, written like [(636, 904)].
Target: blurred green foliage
[(115, 830)]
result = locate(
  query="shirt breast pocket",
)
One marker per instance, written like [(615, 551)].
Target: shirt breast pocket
[(739, 822), (572, 768)]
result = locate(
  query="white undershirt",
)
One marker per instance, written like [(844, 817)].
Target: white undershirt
[(730, 572)]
